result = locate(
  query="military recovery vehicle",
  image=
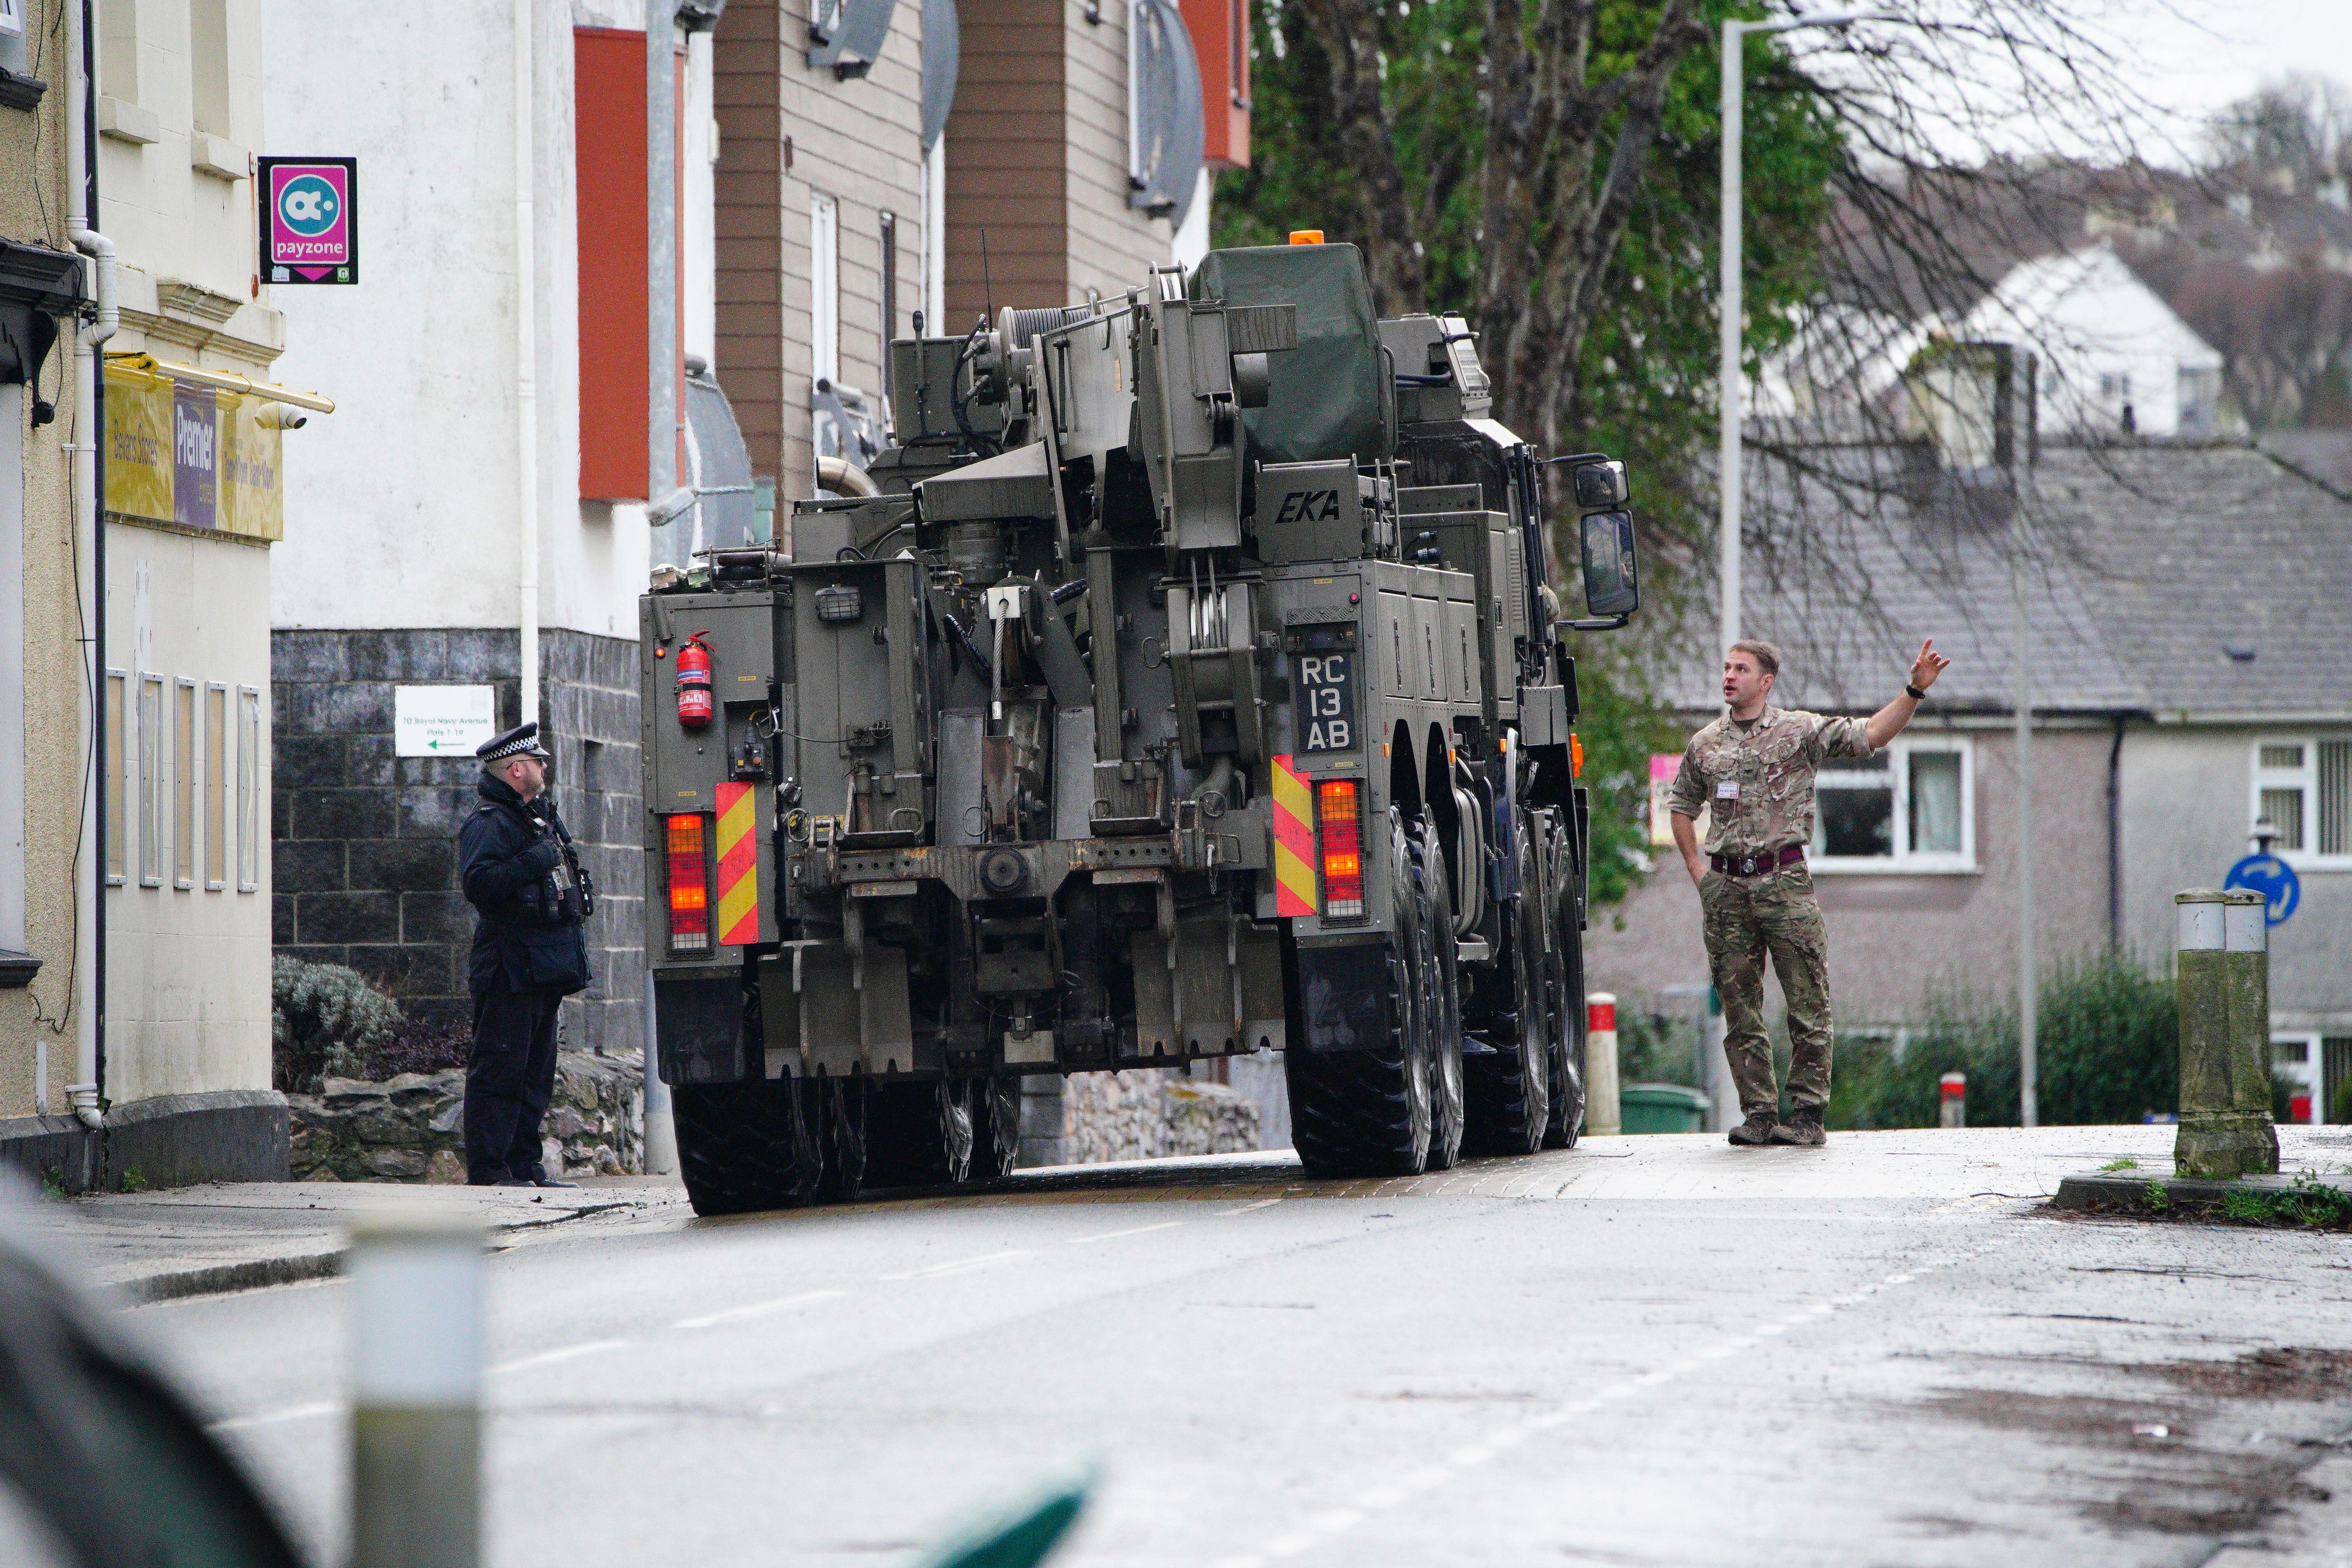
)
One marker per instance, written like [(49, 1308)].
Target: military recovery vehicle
[(1189, 686)]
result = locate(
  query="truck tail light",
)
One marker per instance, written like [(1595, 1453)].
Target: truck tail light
[(689, 886), (1343, 849)]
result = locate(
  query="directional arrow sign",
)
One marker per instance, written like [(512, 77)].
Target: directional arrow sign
[(442, 721)]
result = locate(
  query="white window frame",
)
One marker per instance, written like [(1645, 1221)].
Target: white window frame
[(2305, 779), (1906, 861), (214, 786), (186, 795), (2310, 1073), (153, 743), (122, 777), (252, 799)]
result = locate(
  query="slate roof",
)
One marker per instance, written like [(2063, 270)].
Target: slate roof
[(2149, 564)]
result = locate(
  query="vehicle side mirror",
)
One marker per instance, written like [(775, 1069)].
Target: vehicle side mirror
[(1612, 585)]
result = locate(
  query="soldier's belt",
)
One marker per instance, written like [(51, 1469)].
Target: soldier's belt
[(1758, 864)]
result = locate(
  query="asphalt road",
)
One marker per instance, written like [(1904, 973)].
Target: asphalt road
[(1642, 1351)]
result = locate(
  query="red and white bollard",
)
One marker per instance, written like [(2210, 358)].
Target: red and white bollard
[(1955, 1108), (1602, 1116)]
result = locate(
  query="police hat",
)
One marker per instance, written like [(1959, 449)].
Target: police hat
[(522, 741)]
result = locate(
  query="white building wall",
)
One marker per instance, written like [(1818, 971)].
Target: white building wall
[(408, 495), (2187, 818), (187, 967), (2104, 339)]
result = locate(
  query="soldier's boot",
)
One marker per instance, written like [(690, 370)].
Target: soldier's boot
[(1758, 1129), (1803, 1128)]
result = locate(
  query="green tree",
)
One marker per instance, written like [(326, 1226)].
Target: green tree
[(1641, 382)]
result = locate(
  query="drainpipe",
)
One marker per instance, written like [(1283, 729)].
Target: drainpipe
[(2115, 838), (526, 240), (661, 438), (89, 479)]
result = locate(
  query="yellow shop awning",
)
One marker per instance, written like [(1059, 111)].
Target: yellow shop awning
[(223, 380)]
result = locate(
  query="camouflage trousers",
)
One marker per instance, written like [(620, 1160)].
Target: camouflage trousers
[(1748, 918)]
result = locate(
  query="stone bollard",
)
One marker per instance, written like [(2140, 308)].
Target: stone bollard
[(2224, 976), (1953, 1112), (1602, 1116), (416, 1377)]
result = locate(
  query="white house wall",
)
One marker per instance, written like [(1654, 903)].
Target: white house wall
[(2187, 816)]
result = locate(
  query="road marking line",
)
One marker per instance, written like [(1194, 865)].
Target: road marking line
[(1115, 1235), (547, 1358), (271, 1418), (735, 1314), (1315, 1526), (962, 1265), (1261, 1204)]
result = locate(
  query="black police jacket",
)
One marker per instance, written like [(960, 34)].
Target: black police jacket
[(516, 864)]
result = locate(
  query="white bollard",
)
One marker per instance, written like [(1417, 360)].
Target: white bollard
[(1953, 1110), (1603, 1115), (417, 1381)]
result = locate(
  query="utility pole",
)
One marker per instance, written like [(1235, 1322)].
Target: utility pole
[(2028, 990), (1730, 384), (661, 428)]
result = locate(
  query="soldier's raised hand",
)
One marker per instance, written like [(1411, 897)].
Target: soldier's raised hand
[(1928, 665)]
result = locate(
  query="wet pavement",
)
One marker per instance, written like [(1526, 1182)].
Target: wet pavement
[(1645, 1349)]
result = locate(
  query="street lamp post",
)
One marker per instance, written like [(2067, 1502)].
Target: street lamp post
[(1729, 382)]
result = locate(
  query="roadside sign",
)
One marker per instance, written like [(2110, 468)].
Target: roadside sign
[(2273, 878), (310, 220), (442, 721)]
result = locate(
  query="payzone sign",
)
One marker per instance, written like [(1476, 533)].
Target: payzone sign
[(309, 220)]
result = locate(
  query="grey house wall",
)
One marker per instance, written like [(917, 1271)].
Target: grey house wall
[(1893, 937), (365, 843), (2187, 813)]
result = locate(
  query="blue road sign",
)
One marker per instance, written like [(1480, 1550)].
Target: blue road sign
[(2273, 878)]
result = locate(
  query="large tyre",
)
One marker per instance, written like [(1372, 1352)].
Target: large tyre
[(843, 1137), (744, 1147), (1367, 1114), (1441, 992), (1510, 1090), (997, 1127), (1564, 981), (918, 1135)]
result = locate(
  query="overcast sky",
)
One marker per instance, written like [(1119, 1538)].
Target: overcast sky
[(2226, 49)]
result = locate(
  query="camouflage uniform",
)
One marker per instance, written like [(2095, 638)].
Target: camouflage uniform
[(1757, 779)]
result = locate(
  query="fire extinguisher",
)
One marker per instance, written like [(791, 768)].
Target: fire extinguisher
[(694, 682)]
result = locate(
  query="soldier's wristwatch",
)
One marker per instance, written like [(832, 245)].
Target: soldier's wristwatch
[(1914, 693)]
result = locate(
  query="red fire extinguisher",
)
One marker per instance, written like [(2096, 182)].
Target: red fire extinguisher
[(694, 682)]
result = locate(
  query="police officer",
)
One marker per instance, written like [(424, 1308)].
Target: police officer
[(516, 865), (1753, 769)]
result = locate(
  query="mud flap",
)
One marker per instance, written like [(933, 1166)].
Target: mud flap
[(1343, 996), (701, 1024)]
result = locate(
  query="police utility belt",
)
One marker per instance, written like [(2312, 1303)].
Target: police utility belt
[(1758, 864), (564, 896)]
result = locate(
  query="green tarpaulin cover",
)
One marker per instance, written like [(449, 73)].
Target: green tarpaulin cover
[(1328, 394)]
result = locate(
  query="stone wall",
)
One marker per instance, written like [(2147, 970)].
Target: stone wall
[(365, 863), (1146, 1113), (412, 1129)]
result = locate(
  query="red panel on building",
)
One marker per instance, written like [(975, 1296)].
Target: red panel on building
[(1221, 37), (609, 104)]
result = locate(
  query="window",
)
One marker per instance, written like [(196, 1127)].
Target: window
[(824, 287), (215, 787), (208, 65), (1912, 807), (151, 781), (2303, 788), (183, 792), (118, 776), (248, 789)]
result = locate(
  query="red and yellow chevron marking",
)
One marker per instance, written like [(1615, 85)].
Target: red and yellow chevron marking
[(1294, 842), (739, 867)]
